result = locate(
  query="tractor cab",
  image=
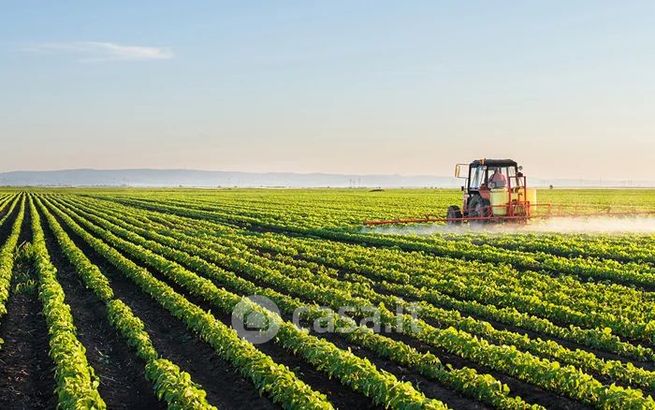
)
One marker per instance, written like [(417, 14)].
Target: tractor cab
[(494, 188)]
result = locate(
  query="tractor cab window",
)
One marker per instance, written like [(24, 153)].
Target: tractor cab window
[(478, 177), (515, 178)]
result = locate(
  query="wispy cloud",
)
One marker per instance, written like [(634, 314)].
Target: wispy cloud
[(96, 51)]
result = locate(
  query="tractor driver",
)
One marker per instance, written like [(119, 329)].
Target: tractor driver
[(498, 179)]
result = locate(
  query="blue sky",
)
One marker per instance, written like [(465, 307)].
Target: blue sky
[(566, 88)]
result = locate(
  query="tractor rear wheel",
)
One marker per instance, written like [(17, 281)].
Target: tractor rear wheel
[(454, 215)]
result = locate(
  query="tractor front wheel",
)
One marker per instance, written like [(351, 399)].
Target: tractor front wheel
[(454, 215), (479, 207)]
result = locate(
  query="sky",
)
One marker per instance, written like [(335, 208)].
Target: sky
[(566, 88)]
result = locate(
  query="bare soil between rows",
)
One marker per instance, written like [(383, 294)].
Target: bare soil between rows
[(26, 371)]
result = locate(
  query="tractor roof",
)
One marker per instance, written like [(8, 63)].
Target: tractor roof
[(494, 162)]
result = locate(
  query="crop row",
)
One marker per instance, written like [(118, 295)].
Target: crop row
[(76, 383), (7, 254)]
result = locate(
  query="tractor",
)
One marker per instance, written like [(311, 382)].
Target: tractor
[(495, 190)]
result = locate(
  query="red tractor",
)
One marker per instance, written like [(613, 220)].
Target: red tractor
[(495, 191)]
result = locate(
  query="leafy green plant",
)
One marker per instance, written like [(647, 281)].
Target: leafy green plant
[(77, 384)]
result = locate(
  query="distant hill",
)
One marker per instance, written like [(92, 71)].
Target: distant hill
[(195, 178)]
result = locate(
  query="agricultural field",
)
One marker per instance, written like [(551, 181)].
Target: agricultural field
[(127, 298)]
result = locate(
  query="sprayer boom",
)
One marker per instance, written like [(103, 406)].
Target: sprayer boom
[(553, 211)]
